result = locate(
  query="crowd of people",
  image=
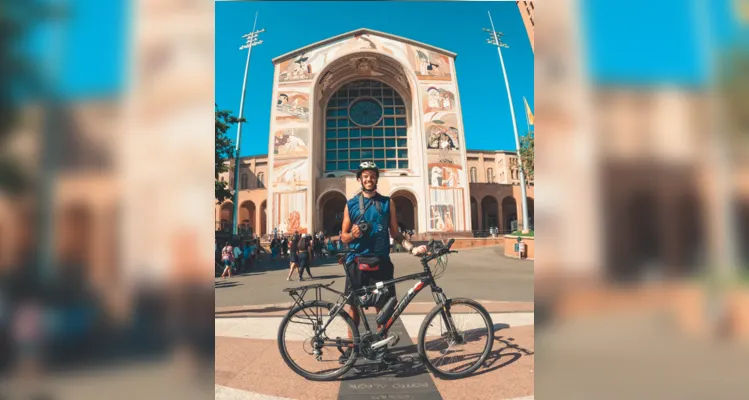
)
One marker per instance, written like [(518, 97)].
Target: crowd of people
[(244, 256), (240, 258), (299, 249)]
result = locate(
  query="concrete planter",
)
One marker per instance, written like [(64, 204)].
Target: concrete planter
[(467, 243), (511, 240), (737, 313)]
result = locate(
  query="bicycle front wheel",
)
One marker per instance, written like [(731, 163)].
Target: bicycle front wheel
[(454, 341), (315, 356)]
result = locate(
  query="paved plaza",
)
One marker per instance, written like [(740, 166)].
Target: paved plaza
[(481, 274), (249, 309)]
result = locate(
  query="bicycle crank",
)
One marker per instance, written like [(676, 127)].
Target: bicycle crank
[(391, 340)]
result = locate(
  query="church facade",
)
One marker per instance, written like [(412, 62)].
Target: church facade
[(368, 95)]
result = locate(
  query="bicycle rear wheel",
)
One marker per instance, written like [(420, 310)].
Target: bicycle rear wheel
[(455, 343), (309, 355)]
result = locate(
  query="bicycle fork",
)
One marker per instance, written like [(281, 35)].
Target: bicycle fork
[(447, 317)]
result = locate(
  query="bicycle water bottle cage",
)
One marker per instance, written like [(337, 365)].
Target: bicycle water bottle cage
[(368, 264)]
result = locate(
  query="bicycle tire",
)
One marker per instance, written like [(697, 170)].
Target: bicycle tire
[(423, 331), (294, 367)]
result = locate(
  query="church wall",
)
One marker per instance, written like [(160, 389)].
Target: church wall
[(436, 141)]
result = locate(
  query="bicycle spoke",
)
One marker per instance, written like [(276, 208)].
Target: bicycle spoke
[(315, 355), (455, 351)]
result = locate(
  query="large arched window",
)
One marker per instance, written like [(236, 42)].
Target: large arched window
[(365, 120)]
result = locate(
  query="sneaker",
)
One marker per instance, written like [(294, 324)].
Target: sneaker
[(390, 359), (343, 359)]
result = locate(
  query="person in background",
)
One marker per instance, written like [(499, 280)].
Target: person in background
[(256, 252), (318, 246), (331, 247), (238, 259), (305, 256), (284, 247), (227, 256), (247, 255), (293, 255), (273, 248)]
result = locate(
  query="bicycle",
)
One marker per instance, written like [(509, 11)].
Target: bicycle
[(332, 329)]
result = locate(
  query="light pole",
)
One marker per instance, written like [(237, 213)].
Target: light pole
[(50, 144), (725, 254), (494, 40), (251, 40)]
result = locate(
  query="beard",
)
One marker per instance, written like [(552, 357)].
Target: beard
[(364, 189)]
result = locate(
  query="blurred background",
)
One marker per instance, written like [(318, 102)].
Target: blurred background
[(642, 210), (105, 216), (642, 205)]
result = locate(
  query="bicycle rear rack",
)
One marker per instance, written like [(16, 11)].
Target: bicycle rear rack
[(297, 293)]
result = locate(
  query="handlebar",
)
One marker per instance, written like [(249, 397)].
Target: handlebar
[(437, 249)]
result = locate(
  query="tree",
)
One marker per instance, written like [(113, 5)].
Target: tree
[(733, 87), (20, 78), (224, 151), (526, 153)]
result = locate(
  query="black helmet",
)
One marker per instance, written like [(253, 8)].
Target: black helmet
[(367, 165)]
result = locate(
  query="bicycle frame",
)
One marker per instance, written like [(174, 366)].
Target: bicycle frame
[(425, 278)]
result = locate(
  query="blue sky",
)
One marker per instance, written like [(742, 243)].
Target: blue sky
[(637, 42), (93, 45), (646, 42), (486, 116)]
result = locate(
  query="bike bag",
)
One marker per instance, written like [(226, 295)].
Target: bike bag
[(368, 263), (375, 298)]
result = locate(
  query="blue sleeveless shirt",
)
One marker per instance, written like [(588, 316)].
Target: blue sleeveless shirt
[(376, 242)]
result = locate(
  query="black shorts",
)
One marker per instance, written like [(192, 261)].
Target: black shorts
[(369, 278), (294, 258)]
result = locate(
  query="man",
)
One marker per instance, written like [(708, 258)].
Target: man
[(305, 256), (379, 213), (238, 263)]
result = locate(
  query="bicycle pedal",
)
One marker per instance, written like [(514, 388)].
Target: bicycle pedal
[(395, 340)]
